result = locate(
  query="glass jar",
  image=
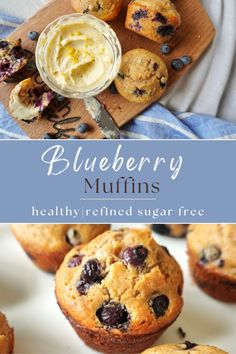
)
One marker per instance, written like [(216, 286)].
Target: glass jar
[(78, 56)]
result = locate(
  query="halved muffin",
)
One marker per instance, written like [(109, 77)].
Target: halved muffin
[(28, 100), (12, 58)]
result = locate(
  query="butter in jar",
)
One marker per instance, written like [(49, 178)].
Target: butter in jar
[(78, 55)]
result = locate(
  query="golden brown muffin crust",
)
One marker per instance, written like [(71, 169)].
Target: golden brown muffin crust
[(133, 287), (47, 245), (6, 336), (183, 348), (212, 259), (53, 237), (157, 20), (203, 239), (106, 10), (143, 76)]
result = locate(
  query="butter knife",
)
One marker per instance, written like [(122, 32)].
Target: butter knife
[(103, 119)]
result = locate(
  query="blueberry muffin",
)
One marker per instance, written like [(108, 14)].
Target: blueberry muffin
[(47, 245), (121, 291), (143, 76), (172, 230), (28, 100), (157, 20), (6, 336), (106, 10), (187, 347), (12, 58), (212, 259)]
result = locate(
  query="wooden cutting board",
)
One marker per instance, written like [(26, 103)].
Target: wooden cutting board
[(194, 36)]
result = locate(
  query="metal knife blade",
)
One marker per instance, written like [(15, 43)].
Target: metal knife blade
[(102, 118)]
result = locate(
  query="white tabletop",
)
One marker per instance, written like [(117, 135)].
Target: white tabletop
[(210, 87)]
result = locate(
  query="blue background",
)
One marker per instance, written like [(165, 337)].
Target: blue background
[(206, 181)]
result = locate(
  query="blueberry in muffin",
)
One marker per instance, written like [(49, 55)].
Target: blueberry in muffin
[(121, 291), (28, 100), (47, 245), (106, 10), (12, 58), (212, 259), (143, 76), (157, 20)]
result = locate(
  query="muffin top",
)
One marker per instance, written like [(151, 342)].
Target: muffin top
[(159, 16), (164, 7), (214, 246), (103, 9), (186, 347), (143, 66), (142, 75), (53, 238), (121, 281), (6, 336)]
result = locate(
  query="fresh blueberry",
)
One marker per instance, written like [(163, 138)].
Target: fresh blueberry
[(75, 261), (165, 49), (139, 14), (33, 35), (60, 98), (210, 254), (113, 315), (83, 128), (165, 30), (135, 255), (3, 44), (112, 88), (160, 305), (186, 59), (177, 64)]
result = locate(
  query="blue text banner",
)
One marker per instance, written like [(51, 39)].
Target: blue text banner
[(123, 181)]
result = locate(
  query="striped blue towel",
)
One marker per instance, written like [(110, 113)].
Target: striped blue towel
[(155, 123)]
